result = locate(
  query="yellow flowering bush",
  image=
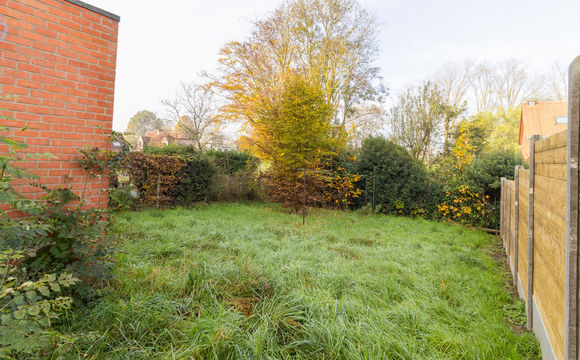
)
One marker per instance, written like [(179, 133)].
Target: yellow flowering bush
[(467, 207), (341, 189)]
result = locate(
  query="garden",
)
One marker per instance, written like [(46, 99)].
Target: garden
[(202, 252), (206, 278), (248, 281)]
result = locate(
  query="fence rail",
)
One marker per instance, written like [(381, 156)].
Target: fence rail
[(539, 226)]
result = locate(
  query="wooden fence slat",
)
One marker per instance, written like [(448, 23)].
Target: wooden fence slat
[(555, 141), (555, 187), (552, 156), (557, 171), (555, 204)]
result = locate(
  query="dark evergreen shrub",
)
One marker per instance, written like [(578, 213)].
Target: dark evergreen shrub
[(484, 174), (402, 184)]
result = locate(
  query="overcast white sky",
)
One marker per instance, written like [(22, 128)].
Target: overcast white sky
[(164, 42)]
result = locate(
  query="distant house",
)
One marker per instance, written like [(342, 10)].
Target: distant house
[(160, 138), (541, 118), (152, 138)]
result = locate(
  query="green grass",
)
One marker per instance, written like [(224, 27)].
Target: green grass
[(250, 282)]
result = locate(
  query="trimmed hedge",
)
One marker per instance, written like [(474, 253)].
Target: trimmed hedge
[(184, 179), (189, 176), (227, 161)]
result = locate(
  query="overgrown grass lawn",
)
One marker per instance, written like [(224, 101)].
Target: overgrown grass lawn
[(242, 281)]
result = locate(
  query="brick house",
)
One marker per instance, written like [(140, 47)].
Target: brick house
[(58, 60)]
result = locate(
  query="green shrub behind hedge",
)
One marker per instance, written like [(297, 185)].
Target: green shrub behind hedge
[(196, 177), (230, 161)]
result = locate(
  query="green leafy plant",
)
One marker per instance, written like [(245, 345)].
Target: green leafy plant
[(45, 245), (97, 161), (28, 308), (55, 234), (485, 173), (122, 197), (367, 209)]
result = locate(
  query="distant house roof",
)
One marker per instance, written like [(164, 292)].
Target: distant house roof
[(543, 118), (156, 138)]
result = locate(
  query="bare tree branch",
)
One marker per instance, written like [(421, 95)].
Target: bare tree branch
[(193, 114)]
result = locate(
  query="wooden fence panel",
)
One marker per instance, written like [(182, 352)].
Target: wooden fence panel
[(550, 237), (546, 267), (555, 171), (553, 142)]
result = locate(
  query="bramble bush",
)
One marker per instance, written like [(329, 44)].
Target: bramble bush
[(45, 246), (55, 234), (28, 308)]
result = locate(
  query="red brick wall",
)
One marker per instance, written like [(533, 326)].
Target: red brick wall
[(58, 59)]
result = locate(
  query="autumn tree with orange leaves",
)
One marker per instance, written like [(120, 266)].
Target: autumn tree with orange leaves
[(295, 132), (323, 50), (331, 43)]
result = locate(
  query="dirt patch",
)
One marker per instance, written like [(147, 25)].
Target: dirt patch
[(362, 241), (347, 253), (496, 251), (244, 305)]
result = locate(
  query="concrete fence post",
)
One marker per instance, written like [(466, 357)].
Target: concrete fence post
[(502, 202), (529, 307), (508, 238), (516, 223), (572, 222)]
